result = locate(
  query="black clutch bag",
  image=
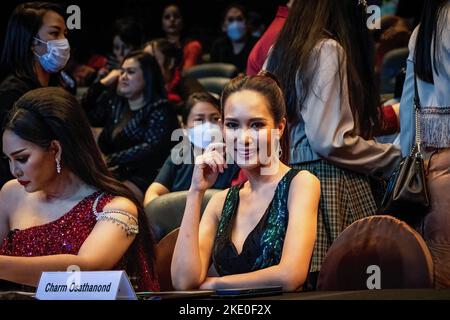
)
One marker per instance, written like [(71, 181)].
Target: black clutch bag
[(406, 194)]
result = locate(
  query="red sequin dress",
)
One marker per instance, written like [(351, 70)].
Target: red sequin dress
[(67, 234)]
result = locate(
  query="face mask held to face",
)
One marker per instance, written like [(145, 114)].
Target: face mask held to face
[(57, 55), (203, 134)]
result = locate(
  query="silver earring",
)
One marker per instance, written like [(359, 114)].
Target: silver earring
[(280, 151), (58, 166)]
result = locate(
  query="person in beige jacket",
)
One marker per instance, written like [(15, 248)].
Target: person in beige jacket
[(322, 59)]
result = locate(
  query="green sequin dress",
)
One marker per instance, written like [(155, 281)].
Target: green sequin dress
[(263, 246)]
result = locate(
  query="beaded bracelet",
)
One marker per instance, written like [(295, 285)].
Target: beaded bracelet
[(130, 228)]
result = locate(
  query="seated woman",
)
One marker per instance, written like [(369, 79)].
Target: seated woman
[(172, 25), (137, 120), (235, 46), (258, 233), (64, 208), (178, 86), (200, 119), (128, 36)]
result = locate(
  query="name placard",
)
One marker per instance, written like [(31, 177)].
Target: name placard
[(85, 285)]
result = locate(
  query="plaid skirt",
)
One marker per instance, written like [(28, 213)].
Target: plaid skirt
[(345, 197)]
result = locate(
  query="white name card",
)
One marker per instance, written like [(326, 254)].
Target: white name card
[(85, 285)]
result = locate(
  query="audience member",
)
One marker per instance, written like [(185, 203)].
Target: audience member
[(137, 120)]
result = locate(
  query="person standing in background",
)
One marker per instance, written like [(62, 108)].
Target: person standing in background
[(260, 51), (35, 51), (429, 62), (323, 60)]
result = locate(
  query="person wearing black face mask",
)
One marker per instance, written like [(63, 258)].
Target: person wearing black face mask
[(35, 49)]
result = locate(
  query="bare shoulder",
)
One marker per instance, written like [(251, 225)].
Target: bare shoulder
[(305, 185), (11, 194), (122, 204), (219, 197), (217, 201), (305, 179)]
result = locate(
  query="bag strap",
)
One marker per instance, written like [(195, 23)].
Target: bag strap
[(416, 150)]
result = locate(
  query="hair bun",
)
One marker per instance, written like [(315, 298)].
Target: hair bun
[(265, 73)]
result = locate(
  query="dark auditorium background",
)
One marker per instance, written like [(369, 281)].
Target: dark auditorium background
[(202, 19)]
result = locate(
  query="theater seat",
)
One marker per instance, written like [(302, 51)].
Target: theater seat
[(164, 214), (163, 259), (214, 85), (205, 70), (377, 247)]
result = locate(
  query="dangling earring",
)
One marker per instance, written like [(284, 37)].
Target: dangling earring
[(280, 152), (58, 166)]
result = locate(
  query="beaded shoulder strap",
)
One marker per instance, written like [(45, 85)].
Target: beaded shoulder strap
[(229, 208), (130, 226), (272, 238)]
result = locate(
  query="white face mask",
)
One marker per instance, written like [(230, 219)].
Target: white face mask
[(203, 134), (57, 55)]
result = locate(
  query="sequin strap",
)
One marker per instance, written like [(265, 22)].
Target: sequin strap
[(122, 218)]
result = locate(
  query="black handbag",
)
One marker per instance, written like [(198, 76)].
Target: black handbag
[(406, 194)]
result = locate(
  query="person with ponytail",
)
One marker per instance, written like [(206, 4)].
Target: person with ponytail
[(260, 232), (64, 207)]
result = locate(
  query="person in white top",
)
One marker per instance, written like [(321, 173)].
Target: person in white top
[(429, 61)]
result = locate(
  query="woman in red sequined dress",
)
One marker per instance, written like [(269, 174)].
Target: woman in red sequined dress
[(64, 208)]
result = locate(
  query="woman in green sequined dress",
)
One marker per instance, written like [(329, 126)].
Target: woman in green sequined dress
[(261, 232)]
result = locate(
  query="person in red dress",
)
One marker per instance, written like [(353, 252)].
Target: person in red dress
[(260, 51), (65, 208)]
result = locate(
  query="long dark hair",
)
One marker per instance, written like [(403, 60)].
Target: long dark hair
[(309, 22), (428, 40), (46, 114), (234, 5), (173, 56), (268, 86), (154, 89), (130, 31), (23, 25)]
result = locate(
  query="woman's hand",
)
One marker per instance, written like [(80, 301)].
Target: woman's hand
[(208, 166), (210, 283), (111, 78)]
